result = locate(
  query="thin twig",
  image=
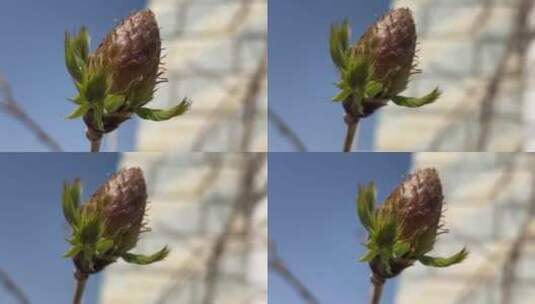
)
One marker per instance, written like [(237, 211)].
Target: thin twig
[(251, 167), (352, 125), (81, 280), (377, 289), (286, 131), (11, 107), (13, 288), (277, 264)]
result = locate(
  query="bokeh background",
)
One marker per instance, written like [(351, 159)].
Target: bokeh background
[(215, 54), (480, 53)]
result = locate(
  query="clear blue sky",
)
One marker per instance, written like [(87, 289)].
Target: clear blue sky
[(301, 75), (31, 58), (32, 227), (312, 219)]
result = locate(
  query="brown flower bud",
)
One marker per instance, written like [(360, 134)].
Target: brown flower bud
[(417, 204), (390, 44), (130, 56), (121, 201)]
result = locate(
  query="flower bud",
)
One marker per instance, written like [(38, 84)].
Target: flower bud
[(121, 202), (390, 44), (130, 57), (404, 229), (417, 205), (108, 226)]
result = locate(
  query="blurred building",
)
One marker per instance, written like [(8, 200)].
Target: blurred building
[(209, 208), (215, 55), (478, 53), (490, 204)]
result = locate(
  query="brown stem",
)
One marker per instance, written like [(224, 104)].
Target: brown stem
[(81, 279), (377, 289), (95, 138), (352, 124)]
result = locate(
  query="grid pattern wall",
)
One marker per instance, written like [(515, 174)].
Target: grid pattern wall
[(488, 201), (463, 49), (215, 55)]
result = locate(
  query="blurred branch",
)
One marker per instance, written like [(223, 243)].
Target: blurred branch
[(277, 264), (252, 166), (13, 288), (11, 107), (286, 131), (515, 253), (516, 44), (251, 103)]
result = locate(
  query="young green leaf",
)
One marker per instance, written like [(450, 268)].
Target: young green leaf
[(160, 115), (146, 259), (104, 245), (79, 111), (372, 89), (70, 202), (444, 262), (113, 102), (339, 43), (414, 102), (96, 87), (366, 205)]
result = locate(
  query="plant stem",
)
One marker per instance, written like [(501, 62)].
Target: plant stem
[(377, 289), (95, 138), (95, 145), (352, 124), (81, 279)]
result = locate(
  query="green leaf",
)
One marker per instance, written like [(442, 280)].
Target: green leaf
[(71, 61), (73, 250), (401, 248), (70, 202), (373, 88), (159, 115), (343, 95), (146, 259), (76, 53), (386, 232), (368, 256), (444, 262), (413, 102), (339, 43), (98, 116), (90, 230), (104, 245), (356, 73), (113, 102), (96, 87), (81, 44), (79, 111), (366, 205)]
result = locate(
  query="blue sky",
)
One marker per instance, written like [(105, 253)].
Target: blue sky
[(31, 58), (32, 228), (301, 75), (312, 219)]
